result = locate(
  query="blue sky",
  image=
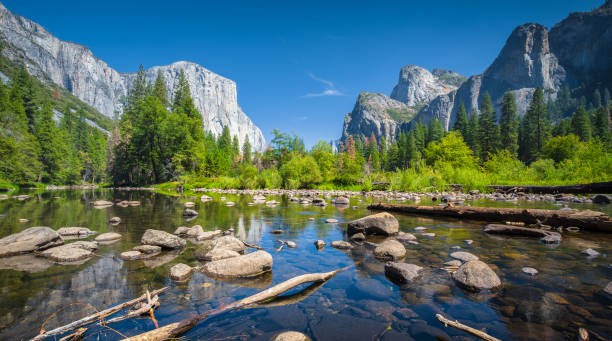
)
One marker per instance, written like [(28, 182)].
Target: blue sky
[(299, 66)]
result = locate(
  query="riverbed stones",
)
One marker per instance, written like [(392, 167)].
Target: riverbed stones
[(453, 263), (319, 244), (341, 245), (148, 249), (163, 239), (475, 276), (463, 256), (529, 271), (382, 223), (590, 252), (290, 336), (75, 231), (188, 212), (215, 249), (248, 265), (180, 272), (405, 237), (70, 252), (115, 220), (108, 236), (209, 235), (358, 237), (390, 250), (402, 273), (217, 254), (420, 228), (130, 255), (29, 240), (23, 220), (428, 234), (102, 204)]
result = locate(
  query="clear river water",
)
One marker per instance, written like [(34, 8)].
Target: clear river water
[(357, 304)]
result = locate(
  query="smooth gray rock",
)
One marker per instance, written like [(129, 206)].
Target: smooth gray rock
[(342, 201), (108, 236), (529, 271), (188, 212), (75, 231), (163, 239), (341, 245), (463, 256), (402, 273), (476, 276), (380, 224), (590, 252), (68, 253), (390, 250), (148, 249), (405, 237), (216, 248), (32, 239), (248, 265), (290, 336), (130, 255)]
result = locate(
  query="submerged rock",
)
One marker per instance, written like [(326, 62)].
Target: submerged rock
[(405, 237), (402, 273), (180, 272), (390, 250), (68, 253), (32, 239), (475, 275), (108, 236), (290, 336), (148, 249), (163, 239), (590, 252), (381, 224), (463, 256), (249, 265)]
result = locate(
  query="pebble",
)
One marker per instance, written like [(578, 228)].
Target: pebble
[(319, 244), (420, 228), (529, 271), (590, 252)]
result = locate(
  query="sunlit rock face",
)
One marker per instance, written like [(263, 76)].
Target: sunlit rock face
[(92, 80), (418, 86)]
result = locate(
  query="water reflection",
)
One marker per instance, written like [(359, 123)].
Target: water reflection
[(358, 304)]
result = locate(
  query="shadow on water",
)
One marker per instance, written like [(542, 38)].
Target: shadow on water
[(357, 304)]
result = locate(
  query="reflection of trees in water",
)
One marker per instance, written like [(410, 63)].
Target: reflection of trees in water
[(100, 285)]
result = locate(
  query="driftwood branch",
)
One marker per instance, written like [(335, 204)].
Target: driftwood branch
[(468, 329), (585, 219), (252, 246), (140, 311), (178, 328), (91, 318)]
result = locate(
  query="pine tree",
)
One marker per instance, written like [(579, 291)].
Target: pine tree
[(488, 129), (607, 101), (436, 131), (160, 91), (246, 151), (509, 124), (138, 91), (581, 124), (461, 124), (601, 125), (596, 99), (535, 128), (473, 139), (48, 136)]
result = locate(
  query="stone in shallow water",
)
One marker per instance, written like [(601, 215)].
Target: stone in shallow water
[(189, 204), (341, 244), (148, 249), (331, 220), (230, 243), (32, 239), (130, 255), (290, 336), (405, 237), (180, 272), (163, 239), (319, 244), (189, 213), (249, 265), (607, 290), (476, 276), (380, 224), (217, 254), (67, 253), (102, 204), (402, 273), (453, 262), (342, 201), (463, 256), (420, 228), (590, 252), (529, 271), (108, 236), (75, 231), (115, 220), (468, 241), (390, 250), (358, 237)]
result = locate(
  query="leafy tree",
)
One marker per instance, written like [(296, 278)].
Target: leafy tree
[(561, 148), (451, 150), (326, 160)]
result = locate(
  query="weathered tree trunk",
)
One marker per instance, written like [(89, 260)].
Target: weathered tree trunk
[(586, 219), (178, 328), (597, 187)]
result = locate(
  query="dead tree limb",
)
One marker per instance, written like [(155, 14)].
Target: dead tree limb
[(597, 187), (91, 318), (252, 246), (178, 328), (585, 219), (468, 329), (140, 311)]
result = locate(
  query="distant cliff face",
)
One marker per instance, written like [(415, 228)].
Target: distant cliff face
[(376, 114), (417, 86), (77, 69)]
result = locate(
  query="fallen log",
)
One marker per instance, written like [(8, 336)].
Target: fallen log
[(176, 329), (511, 230), (596, 187), (468, 329), (585, 219), (91, 318)]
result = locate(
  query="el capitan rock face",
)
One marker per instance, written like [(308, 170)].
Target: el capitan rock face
[(92, 80)]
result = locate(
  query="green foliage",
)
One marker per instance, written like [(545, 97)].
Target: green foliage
[(581, 124), (561, 148), (300, 172), (451, 150), (509, 124), (488, 132), (535, 129)]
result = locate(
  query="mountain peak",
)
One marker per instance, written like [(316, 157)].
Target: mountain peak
[(417, 86)]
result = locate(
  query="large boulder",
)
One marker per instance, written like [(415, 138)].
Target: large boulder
[(476, 275), (290, 336), (381, 223), (32, 239), (402, 273), (249, 265), (163, 239), (390, 250)]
